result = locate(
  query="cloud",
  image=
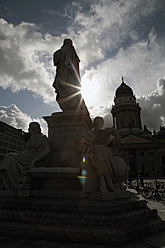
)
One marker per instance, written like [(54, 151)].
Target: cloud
[(26, 59), (153, 106), (14, 117), (109, 25), (108, 39), (140, 63)]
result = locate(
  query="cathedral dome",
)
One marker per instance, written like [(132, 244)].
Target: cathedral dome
[(124, 89)]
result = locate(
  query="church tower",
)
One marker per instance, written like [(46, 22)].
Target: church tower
[(126, 112)]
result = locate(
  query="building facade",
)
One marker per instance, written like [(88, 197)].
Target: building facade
[(140, 149), (11, 140)]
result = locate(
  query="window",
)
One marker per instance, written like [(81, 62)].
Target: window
[(131, 151), (12, 146), (152, 166), (1, 157), (2, 143), (3, 137), (19, 148), (133, 123), (3, 150), (13, 140), (20, 143), (163, 159), (143, 167), (9, 151)]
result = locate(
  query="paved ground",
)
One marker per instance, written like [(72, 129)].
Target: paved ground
[(154, 241)]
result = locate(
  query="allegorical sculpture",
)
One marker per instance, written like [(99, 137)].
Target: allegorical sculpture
[(14, 167), (67, 80), (98, 148)]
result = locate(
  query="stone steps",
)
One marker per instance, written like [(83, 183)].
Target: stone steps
[(80, 219), (71, 205), (15, 242), (77, 220), (96, 234)]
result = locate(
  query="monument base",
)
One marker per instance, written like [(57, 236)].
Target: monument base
[(55, 179), (64, 132), (78, 221)]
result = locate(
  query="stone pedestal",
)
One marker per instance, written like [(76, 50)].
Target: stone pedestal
[(64, 132), (76, 222)]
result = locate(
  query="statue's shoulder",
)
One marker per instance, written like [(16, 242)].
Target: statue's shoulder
[(58, 56), (41, 138), (57, 53)]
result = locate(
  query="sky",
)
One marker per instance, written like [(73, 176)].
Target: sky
[(113, 38)]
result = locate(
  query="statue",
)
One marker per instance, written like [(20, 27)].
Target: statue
[(67, 80), (98, 146), (14, 167)]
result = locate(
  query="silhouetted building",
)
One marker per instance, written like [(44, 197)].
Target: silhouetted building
[(11, 139), (126, 112), (140, 149)]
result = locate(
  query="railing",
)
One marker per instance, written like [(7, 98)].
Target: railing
[(149, 187)]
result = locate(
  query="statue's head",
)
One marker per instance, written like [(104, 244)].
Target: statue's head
[(68, 42), (35, 127), (98, 122)]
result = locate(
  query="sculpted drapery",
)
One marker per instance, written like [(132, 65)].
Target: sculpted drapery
[(111, 170), (14, 165)]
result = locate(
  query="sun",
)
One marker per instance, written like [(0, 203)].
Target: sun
[(89, 91)]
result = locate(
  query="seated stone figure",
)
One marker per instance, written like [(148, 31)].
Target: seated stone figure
[(14, 167), (111, 170)]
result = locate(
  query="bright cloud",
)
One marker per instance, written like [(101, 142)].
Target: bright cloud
[(108, 24), (14, 117), (26, 59)]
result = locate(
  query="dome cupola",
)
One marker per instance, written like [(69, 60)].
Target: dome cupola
[(124, 89)]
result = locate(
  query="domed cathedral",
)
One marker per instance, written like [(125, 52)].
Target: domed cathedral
[(126, 112), (140, 149)]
